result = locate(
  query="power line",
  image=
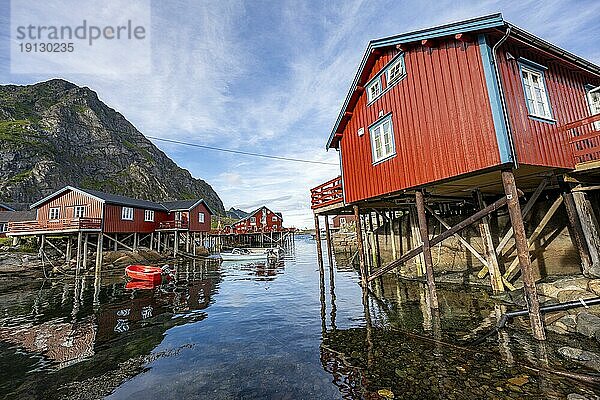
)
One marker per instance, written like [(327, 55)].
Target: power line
[(202, 146)]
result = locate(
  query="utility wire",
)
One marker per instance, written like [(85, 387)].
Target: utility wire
[(202, 146)]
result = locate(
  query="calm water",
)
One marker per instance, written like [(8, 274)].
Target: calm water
[(265, 332)]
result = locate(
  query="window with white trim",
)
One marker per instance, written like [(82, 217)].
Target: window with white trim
[(201, 217), (275, 227), (342, 221), (593, 97), (382, 139), (127, 213), (395, 71), (253, 220), (374, 89), (149, 215), (3, 227), (536, 96), (78, 211), (54, 213), (274, 218)]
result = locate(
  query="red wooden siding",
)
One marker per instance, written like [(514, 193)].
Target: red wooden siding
[(337, 223), (114, 224), (247, 226), (441, 117), (536, 142), (66, 202), (195, 224)]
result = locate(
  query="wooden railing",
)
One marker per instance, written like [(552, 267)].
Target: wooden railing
[(585, 144), (66, 224), (173, 225), (326, 194)]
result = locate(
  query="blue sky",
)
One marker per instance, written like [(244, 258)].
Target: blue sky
[(270, 77)]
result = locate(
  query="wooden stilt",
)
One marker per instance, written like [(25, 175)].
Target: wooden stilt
[(489, 250), (589, 225), (318, 239), (117, 242), (135, 241), (85, 250), (575, 229), (393, 234), (416, 240), (78, 254), (328, 240), (151, 241), (361, 250), (99, 252), (68, 255), (187, 242), (516, 219), (426, 249)]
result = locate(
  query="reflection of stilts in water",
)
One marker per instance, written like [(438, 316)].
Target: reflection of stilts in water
[(332, 293), (425, 309), (97, 285), (503, 338), (369, 327), (322, 295), (76, 300)]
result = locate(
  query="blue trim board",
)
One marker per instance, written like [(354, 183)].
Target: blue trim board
[(493, 89), (532, 64)]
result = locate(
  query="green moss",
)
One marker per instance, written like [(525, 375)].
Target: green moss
[(17, 132), (79, 108), (20, 177)]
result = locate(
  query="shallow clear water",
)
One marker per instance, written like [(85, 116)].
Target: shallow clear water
[(264, 332)]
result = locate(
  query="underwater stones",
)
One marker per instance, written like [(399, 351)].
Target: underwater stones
[(567, 295), (594, 286), (588, 324), (583, 357), (547, 289)]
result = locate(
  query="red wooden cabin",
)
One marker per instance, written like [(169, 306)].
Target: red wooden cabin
[(339, 221), (72, 209), (430, 109), (190, 215), (4, 207), (260, 220)]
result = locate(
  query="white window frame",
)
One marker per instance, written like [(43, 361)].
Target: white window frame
[(372, 95), (127, 213), (274, 218), (536, 97), (398, 72), (148, 215), (252, 220), (78, 211), (342, 221), (201, 217), (593, 111), (3, 227), (51, 213), (381, 138)]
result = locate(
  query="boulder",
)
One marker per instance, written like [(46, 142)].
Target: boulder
[(569, 322), (565, 295), (588, 324), (202, 251), (594, 286), (583, 357), (575, 282), (547, 289)]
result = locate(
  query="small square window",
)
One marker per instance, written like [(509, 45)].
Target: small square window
[(201, 217), (593, 97), (78, 211), (374, 89), (149, 216), (382, 139), (253, 220), (127, 213), (395, 71), (274, 218), (361, 131), (3, 227), (54, 213)]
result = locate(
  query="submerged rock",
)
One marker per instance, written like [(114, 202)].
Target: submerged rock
[(583, 357), (566, 295), (588, 324), (594, 286)]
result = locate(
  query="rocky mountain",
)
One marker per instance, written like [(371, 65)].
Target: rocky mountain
[(236, 214), (56, 133)]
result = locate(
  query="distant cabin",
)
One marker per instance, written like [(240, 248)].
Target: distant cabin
[(341, 221), (72, 209), (260, 220)]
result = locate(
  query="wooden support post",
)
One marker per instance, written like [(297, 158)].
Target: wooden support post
[(372, 245), (591, 230), (176, 244), (151, 241), (99, 252), (187, 242), (516, 219), (415, 240), (328, 239), (42, 244), (135, 241), (68, 255), (78, 254), (85, 250), (576, 230), (489, 250), (194, 243), (318, 239), (115, 240), (426, 249), (393, 234), (361, 250), (512, 269)]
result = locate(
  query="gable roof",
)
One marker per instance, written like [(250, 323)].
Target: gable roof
[(17, 216), (6, 207), (492, 21), (255, 212), (185, 205), (104, 198)]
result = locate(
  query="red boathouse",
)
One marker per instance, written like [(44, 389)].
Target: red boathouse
[(472, 109)]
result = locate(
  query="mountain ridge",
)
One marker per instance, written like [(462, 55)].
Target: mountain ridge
[(55, 133)]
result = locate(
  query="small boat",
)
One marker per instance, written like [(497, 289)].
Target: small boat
[(246, 254), (144, 273), (137, 284)]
